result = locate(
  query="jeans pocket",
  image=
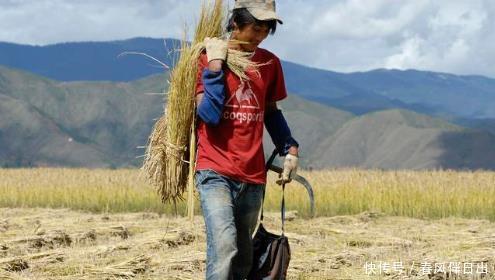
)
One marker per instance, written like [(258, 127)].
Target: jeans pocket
[(200, 176)]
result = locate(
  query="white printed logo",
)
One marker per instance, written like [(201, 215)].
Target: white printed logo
[(244, 97)]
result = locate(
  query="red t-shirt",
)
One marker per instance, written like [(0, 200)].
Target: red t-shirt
[(234, 147)]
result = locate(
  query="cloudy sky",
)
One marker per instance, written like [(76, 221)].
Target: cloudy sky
[(456, 36)]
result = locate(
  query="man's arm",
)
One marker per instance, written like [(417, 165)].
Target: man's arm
[(209, 104), (277, 128), (279, 131), (270, 107)]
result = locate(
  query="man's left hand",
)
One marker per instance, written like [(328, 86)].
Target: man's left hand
[(290, 169)]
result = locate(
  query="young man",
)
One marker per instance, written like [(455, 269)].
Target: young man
[(230, 164)]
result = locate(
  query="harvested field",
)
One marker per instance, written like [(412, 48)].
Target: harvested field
[(37, 243), (370, 224)]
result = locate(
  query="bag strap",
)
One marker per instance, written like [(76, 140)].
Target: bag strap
[(282, 207), (267, 167)]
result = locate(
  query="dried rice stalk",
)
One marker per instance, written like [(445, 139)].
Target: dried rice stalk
[(104, 251), (20, 263), (13, 264), (126, 269), (154, 163), (52, 239), (6, 275), (168, 162), (237, 61)]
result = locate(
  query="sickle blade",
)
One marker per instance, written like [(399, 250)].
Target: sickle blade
[(303, 182)]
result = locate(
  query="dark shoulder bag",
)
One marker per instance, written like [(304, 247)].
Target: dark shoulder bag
[(271, 252)]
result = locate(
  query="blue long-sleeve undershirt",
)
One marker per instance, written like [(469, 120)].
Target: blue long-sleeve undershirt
[(279, 131), (211, 106)]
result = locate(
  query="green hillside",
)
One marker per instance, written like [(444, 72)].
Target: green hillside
[(310, 123), (400, 139), (101, 124), (111, 119)]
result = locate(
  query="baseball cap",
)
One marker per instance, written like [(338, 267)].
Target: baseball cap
[(260, 9)]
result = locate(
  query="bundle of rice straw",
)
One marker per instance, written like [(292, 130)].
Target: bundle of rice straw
[(170, 153), (127, 269)]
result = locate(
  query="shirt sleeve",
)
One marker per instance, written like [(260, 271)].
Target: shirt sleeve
[(202, 64), (276, 89)]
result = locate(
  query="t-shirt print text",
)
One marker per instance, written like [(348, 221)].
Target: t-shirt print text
[(243, 98)]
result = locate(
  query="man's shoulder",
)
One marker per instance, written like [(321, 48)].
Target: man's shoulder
[(267, 54)]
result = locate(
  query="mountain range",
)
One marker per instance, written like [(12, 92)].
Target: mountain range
[(80, 104)]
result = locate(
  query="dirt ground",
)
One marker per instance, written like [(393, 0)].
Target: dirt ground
[(66, 244)]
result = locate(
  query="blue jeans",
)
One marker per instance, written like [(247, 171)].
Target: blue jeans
[(230, 210)]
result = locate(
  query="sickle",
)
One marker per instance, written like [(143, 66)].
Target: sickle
[(302, 181)]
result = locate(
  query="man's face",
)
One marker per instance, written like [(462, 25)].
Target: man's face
[(253, 34)]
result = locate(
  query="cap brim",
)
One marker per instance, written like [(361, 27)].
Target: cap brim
[(261, 14)]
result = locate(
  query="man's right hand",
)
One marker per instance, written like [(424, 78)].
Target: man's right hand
[(216, 49)]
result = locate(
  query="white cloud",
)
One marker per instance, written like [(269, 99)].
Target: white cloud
[(451, 42), (53, 21), (357, 19), (455, 36)]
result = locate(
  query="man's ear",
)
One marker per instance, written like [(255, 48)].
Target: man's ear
[(236, 28)]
